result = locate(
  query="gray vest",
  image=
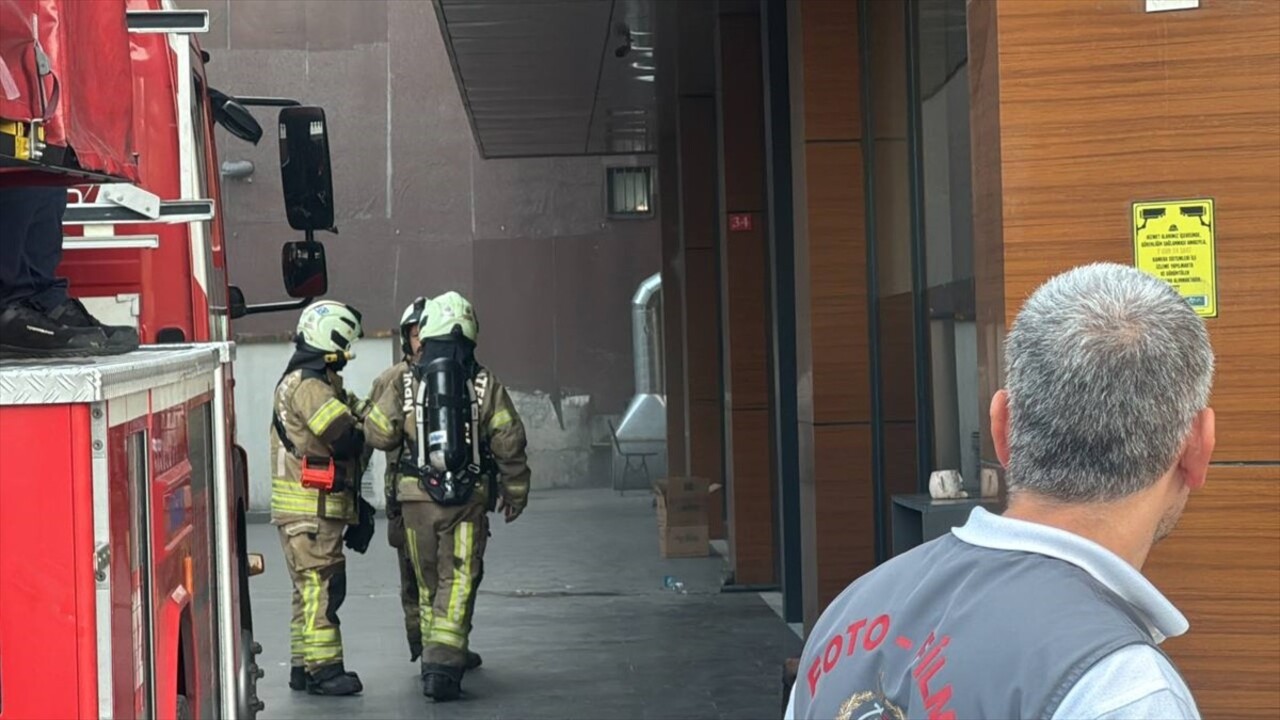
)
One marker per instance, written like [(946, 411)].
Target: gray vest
[(952, 631)]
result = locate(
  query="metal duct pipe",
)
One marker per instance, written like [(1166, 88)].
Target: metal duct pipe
[(645, 337), (645, 420)]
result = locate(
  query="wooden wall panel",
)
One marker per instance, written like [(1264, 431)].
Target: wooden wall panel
[(988, 207), (900, 462), (831, 70), (1069, 141), (705, 433), (1047, 107), (897, 359), (887, 52), (700, 230), (673, 301), (698, 172), (748, 346), (751, 491), (742, 111), (1221, 567), (745, 304), (845, 507), (706, 436), (837, 498), (702, 319), (837, 280)]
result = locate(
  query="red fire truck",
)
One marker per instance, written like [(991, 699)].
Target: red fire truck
[(123, 561)]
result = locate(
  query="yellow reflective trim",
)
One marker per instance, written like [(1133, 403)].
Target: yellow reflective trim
[(445, 624), (319, 644), (441, 636), (426, 595), (288, 496), (378, 418), (324, 417), (501, 419), (322, 658), (463, 538), (310, 599), (296, 642)]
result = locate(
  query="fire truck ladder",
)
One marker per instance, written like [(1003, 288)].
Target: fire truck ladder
[(168, 21), (125, 203)]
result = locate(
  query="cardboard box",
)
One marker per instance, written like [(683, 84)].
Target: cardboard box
[(682, 501), (683, 542), (682, 517)]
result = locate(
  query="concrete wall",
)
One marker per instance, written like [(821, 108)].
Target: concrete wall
[(420, 212), (558, 457)]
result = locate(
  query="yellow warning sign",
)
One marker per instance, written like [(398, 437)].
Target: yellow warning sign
[(1173, 240)]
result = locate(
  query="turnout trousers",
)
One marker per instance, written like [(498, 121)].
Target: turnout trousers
[(318, 569), (408, 576), (446, 548)]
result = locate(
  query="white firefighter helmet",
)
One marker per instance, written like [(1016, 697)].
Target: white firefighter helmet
[(446, 313), (408, 319), (331, 327)]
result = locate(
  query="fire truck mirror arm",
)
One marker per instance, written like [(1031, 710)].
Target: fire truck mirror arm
[(305, 270)]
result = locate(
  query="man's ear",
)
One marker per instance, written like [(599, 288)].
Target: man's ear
[(1000, 426), (1193, 464)]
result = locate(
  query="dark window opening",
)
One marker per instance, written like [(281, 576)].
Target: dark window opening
[(630, 192)]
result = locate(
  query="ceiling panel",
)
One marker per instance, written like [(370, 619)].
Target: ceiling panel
[(554, 77)]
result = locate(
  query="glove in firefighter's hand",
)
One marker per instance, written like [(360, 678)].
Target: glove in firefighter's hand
[(359, 408), (358, 536), (509, 511)]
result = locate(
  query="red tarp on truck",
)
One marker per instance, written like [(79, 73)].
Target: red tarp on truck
[(89, 93)]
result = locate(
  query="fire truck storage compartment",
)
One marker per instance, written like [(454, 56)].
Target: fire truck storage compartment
[(109, 532)]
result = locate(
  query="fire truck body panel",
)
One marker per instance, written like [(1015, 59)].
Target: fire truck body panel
[(128, 445), (161, 277), (123, 565), (45, 585)]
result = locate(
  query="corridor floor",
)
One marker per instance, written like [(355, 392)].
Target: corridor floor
[(573, 621)]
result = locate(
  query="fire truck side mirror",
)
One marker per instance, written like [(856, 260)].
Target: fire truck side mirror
[(234, 117), (306, 273), (305, 172), (236, 305)]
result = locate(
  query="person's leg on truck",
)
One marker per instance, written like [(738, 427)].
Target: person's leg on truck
[(37, 316)]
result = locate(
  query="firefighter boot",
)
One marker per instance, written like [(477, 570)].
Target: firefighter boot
[(297, 678), (441, 683), (334, 680)]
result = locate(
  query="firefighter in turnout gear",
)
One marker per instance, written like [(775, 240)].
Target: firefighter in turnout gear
[(462, 454), (317, 452), (396, 382)]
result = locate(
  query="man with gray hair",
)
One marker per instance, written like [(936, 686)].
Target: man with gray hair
[(1104, 430)]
